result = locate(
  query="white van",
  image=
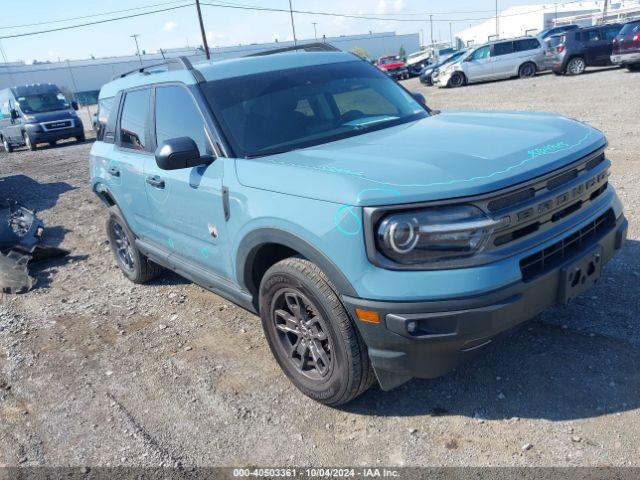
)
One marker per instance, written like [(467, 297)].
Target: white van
[(520, 57)]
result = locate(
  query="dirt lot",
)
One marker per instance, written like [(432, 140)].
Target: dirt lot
[(97, 371)]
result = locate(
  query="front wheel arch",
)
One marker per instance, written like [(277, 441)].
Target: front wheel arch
[(459, 74)]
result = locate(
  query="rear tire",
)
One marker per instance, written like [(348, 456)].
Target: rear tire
[(28, 143), (457, 80), (576, 66), (52, 143), (527, 70), (7, 146), (311, 334), (80, 138), (135, 266), (634, 68)]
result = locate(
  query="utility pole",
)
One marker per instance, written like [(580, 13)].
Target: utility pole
[(431, 25), (135, 37), (6, 63), (497, 22), (604, 10), (315, 33), (204, 36), (75, 90), (293, 26), (555, 20), (450, 35)]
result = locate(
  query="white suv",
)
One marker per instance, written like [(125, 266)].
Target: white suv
[(521, 57)]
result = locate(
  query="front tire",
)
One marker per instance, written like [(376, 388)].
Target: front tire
[(576, 66), (311, 335), (457, 80), (28, 143), (634, 68), (80, 138), (135, 266)]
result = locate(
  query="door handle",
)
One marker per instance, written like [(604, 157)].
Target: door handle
[(114, 172), (155, 181)]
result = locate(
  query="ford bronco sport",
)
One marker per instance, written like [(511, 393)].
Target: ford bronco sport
[(375, 237)]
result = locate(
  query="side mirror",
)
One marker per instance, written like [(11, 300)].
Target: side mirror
[(181, 152), (74, 105), (419, 98), (14, 114)]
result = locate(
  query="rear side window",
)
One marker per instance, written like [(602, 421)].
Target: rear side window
[(105, 106), (527, 44), (503, 48), (178, 116), (593, 35), (134, 120)]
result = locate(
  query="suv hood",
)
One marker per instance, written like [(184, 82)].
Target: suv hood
[(453, 154)]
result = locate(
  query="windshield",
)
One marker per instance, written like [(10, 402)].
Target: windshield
[(386, 60), (43, 102), (556, 40), (274, 112), (453, 57)]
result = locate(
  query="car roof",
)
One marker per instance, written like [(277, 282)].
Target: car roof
[(211, 70)]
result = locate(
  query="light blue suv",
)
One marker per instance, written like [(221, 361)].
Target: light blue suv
[(375, 237)]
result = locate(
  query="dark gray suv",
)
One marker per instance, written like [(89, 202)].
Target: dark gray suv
[(574, 51)]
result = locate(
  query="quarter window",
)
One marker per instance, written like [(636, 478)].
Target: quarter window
[(593, 35), (527, 44), (135, 120), (104, 110), (611, 32), (178, 116)]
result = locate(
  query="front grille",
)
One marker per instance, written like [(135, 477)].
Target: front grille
[(548, 201), (551, 257), (56, 125)]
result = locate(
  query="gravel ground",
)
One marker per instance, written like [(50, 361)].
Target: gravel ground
[(97, 371)]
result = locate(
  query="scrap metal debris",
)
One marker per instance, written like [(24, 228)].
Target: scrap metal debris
[(21, 244)]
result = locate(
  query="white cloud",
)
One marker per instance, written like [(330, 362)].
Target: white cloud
[(169, 26)]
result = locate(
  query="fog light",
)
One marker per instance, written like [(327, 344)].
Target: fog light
[(411, 327)]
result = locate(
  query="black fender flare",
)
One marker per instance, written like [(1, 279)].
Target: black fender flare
[(252, 242)]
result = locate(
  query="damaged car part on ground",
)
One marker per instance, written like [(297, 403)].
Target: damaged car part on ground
[(21, 244), (404, 258)]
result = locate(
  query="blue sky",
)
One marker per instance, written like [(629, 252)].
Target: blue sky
[(179, 28)]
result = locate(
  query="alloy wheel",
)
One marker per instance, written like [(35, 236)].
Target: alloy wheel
[(123, 246), (302, 334), (576, 66)]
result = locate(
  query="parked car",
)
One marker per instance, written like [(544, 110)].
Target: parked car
[(37, 113), (301, 187), (520, 57), (626, 46), (417, 61), (393, 66), (427, 72), (576, 50)]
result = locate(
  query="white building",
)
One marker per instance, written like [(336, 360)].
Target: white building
[(530, 19), (85, 77)]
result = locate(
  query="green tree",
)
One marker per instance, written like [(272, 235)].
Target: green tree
[(361, 52), (402, 53)]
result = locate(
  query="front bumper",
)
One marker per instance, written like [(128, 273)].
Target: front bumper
[(625, 58), (39, 134), (450, 331), (398, 73)]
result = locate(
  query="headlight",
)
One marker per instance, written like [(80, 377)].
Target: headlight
[(433, 234), (30, 118)]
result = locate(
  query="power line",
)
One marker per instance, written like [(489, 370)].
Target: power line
[(62, 20), (69, 27)]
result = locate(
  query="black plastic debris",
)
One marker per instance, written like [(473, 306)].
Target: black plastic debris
[(20, 245)]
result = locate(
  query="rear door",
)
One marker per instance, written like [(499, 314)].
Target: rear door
[(595, 45), (503, 59), (479, 66)]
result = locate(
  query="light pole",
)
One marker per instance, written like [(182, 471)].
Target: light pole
[(315, 33), (431, 25), (450, 35), (293, 26), (497, 22), (204, 36), (135, 37)]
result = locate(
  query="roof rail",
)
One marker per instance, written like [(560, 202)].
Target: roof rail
[(177, 63), (307, 47)]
